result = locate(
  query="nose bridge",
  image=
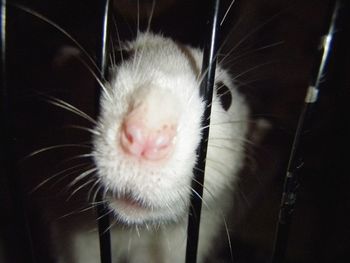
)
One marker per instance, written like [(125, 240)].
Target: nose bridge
[(149, 129), (155, 105)]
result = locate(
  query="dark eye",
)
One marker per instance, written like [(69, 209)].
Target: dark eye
[(224, 94), (124, 54)]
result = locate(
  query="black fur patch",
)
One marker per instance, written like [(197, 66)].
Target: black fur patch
[(224, 94), (126, 54)]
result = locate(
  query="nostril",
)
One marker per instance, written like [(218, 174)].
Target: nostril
[(132, 138), (161, 141), (150, 143), (129, 137), (133, 132), (159, 145)]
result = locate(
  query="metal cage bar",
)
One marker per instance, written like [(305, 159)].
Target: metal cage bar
[(102, 210), (295, 164), (206, 91), (21, 233)]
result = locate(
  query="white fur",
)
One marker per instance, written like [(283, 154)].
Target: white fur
[(160, 66)]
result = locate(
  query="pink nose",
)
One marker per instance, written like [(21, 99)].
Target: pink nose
[(146, 143)]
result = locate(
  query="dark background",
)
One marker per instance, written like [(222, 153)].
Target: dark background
[(274, 79)]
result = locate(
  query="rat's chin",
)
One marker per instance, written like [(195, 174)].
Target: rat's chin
[(130, 212)]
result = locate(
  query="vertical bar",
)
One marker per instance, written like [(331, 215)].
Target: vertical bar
[(19, 232), (291, 180), (4, 91), (102, 210), (206, 91)]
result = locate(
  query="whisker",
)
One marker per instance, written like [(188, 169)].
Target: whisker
[(65, 105), (235, 58), (230, 122), (204, 188), (228, 238), (71, 173), (252, 68), (150, 16), (97, 78), (250, 158), (97, 182), (79, 188), (57, 174), (250, 34), (243, 196), (201, 198), (246, 83), (76, 157), (92, 131), (198, 169), (222, 216), (129, 244), (242, 140), (114, 222), (99, 202), (203, 74), (204, 127), (82, 175), (119, 42), (49, 148), (138, 18), (94, 198), (224, 147), (227, 11), (60, 29), (76, 212), (109, 211), (215, 166), (112, 55), (137, 231)]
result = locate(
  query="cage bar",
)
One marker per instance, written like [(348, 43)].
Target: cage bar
[(206, 91), (291, 181), (21, 233), (102, 210)]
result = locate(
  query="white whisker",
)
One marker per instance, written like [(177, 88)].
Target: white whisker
[(97, 182), (150, 16), (249, 35), (227, 11), (79, 188), (76, 212), (98, 79), (244, 54), (92, 131), (58, 174), (198, 195), (94, 198), (49, 148), (65, 105), (60, 29), (109, 211), (252, 68), (82, 175)]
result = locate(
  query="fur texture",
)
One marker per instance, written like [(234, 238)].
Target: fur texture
[(150, 199)]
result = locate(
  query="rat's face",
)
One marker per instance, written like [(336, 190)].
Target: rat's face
[(148, 132), (150, 127)]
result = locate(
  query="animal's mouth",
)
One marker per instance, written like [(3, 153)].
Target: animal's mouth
[(129, 209), (127, 201)]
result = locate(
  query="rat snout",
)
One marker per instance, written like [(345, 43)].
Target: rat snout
[(153, 141)]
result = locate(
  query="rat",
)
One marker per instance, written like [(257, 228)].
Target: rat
[(144, 150)]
